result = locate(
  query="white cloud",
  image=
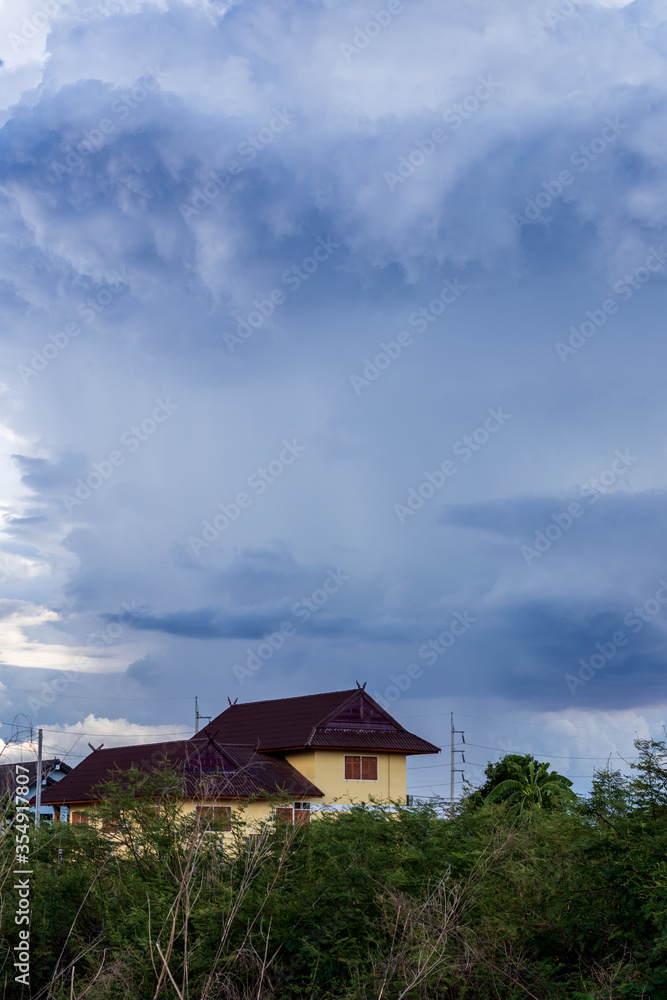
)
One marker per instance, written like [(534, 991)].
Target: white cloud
[(70, 742), (27, 640)]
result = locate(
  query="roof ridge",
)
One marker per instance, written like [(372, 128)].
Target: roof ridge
[(291, 697)]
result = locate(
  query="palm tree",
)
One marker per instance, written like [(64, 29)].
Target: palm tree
[(534, 789)]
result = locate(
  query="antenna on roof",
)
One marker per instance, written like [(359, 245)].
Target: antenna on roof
[(231, 702), (362, 687), (95, 748), (198, 716)]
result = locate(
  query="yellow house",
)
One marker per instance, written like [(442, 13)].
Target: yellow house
[(321, 751)]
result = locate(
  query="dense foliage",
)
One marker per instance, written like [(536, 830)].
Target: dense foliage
[(566, 903)]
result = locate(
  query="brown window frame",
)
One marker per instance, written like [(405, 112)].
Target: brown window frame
[(301, 813), (356, 764), (207, 814), (284, 815), (293, 815), (78, 818)]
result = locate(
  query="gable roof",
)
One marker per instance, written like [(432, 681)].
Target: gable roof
[(8, 773), (336, 719), (241, 771)]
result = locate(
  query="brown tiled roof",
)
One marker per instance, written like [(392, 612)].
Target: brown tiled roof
[(244, 772), (314, 721), (346, 739), (8, 772)]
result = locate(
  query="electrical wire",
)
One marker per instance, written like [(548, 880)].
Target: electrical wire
[(101, 697), (68, 732), (96, 697), (505, 722), (543, 753)]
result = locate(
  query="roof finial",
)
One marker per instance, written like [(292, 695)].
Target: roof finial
[(231, 702), (95, 748), (362, 687)]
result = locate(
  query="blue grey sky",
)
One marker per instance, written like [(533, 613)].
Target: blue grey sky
[(333, 351)]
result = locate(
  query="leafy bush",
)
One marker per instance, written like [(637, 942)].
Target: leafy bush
[(556, 904)]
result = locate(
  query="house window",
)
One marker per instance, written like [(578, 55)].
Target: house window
[(361, 768), (301, 813), (287, 816), (109, 825), (215, 819), (284, 815), (79, 818)]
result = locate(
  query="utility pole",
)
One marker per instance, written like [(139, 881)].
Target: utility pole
[(38, 790), (452, 762), (198, 716)]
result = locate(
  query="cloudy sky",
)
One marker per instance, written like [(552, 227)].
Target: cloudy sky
[(333, 350)]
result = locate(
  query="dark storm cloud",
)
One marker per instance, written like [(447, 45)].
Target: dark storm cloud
[(615, 516), (168, 173), (537, 645), (216, 623)]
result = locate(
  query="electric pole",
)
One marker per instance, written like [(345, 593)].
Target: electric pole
[(198, 716), (38, 790), (452, 762)]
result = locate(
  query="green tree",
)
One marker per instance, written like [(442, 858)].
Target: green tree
[(609, 798), (512, 765), (537, 789), (649, 787)]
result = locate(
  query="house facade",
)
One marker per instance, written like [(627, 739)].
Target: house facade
[(288, 756), (53, 770)]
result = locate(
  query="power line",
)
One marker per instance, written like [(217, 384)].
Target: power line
[(69, 732), (102, 697), (543, 753), (438, 784), (423, 767), (507, 722), (537, 725), (97, 697)]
